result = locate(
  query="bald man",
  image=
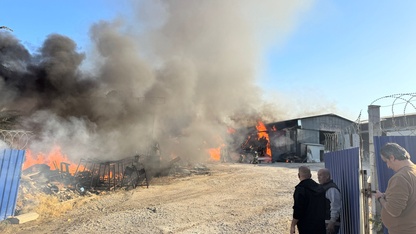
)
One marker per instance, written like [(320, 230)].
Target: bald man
[(332, 203), (309, 205)]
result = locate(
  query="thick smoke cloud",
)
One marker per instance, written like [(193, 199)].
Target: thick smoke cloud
[(180, 73)]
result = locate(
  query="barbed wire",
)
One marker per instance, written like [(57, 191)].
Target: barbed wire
[(401, 121), (16, 139), (399, 124)]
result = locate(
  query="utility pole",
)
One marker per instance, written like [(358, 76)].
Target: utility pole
[(374, 129)]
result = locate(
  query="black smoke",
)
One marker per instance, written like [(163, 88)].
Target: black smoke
[(179, 73)]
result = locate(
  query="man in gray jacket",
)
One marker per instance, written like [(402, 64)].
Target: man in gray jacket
[(333, 201)]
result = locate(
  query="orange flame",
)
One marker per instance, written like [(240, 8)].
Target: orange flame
[(215, 153), (107, 176), (230, 130), (262, 132), (53, 159)]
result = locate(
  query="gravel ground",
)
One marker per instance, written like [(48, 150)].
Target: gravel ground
[(232, 198)]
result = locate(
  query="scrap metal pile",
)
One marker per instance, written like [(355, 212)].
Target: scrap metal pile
[(91, 177), (97, 177)]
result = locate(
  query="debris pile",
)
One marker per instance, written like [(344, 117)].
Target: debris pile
[(95, 177)]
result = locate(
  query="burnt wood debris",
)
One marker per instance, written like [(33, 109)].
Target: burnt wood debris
[(94, 176)]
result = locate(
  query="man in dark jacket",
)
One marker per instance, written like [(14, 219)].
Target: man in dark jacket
[(309, 205)]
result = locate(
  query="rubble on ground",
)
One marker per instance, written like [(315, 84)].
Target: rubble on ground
[(40, 179)]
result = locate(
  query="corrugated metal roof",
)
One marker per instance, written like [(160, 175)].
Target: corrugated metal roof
[(329, 114), (308, 117)]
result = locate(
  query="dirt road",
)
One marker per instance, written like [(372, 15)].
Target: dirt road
[(232, 198)]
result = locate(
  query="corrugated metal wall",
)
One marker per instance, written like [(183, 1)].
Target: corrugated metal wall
[(10, 170), (384, 173), (307, 136), (344, 168)]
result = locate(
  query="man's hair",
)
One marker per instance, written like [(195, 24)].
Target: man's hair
[(304, 171), (396, 150), (326, 172)]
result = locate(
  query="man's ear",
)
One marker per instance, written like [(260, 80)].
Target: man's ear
[(391, 158)]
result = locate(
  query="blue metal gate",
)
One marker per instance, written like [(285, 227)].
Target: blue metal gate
[(344, 168), (11, 162)]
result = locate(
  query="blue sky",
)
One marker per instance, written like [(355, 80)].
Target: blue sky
[(349, 53), (33, 21)]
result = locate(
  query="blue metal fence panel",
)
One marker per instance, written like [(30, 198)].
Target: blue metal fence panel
[(383, 172), (11, 162), (344, 168)]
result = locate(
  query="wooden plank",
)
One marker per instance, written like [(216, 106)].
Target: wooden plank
[(23, 218)]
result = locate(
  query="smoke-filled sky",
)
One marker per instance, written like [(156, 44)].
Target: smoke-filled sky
[(101, 78)]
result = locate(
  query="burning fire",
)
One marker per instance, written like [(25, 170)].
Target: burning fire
[(215, 153), (262, 135), (262, 132), (53, 159)]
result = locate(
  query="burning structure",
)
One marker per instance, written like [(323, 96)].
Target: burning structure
[(296, 140), (133, 88), (170, 73), (307, 138), (166, 81), (179, 73)]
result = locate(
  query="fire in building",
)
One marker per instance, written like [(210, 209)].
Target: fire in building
[(303, 139)]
